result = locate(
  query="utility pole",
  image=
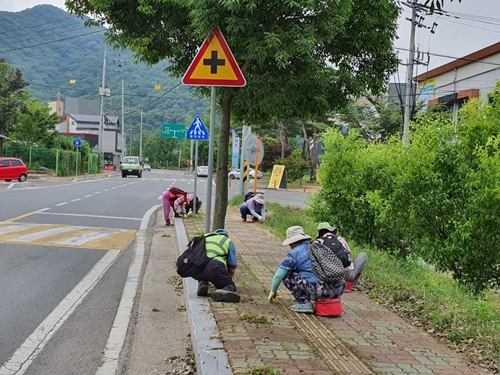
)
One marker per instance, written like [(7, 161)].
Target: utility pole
[(140, 141), (409, 78), (120, 64), (102, 92), (124, 150), (408, 99)]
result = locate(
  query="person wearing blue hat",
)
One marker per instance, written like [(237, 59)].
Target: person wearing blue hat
[(221, 268)]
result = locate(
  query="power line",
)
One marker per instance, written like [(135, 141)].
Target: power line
[(53, 41), (25, 27), (453, 57)]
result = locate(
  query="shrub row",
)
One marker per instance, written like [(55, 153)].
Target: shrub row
[(437, 198)]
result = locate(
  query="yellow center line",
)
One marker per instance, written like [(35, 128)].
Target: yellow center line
[(22, 216)]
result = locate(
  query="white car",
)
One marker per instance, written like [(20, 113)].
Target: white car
[(202, 171), (251, 172), (147, 167)]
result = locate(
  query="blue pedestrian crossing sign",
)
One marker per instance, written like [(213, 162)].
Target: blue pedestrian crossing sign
[(197, 130)]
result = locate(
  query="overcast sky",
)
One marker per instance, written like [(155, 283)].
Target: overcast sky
[(468, 27)]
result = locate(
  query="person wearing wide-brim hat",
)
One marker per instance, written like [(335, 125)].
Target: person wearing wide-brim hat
[(255, 206), (354, 270), (295, 271)]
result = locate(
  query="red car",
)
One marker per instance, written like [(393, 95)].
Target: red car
[(13, 169)]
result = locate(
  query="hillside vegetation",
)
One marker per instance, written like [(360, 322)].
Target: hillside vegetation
[(52, 47)]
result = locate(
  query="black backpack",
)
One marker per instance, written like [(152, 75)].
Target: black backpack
[(250, 195), (334, 244), (194, 258), (192, 206)]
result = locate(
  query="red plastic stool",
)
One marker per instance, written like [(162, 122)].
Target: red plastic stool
[(348, 286), (330, 307)]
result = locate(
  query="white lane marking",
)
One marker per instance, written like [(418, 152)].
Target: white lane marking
[(61, 204), (96, 216), (46, 233), (87, 237), (97, 192), (44, 209), (14, 227), (122, 319), (33, 345), (113, 188), (88, 195), (106, 189), (76, 200)]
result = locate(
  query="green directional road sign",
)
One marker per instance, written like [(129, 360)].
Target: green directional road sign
[(173, 131)]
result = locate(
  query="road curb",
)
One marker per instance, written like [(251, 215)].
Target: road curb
[(211, 357)]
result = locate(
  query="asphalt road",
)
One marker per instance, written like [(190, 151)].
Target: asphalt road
[(66, 251)]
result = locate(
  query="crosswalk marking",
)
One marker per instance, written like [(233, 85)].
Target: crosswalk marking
[(87, 237), (66, 236), (45, 233), (13, 228)]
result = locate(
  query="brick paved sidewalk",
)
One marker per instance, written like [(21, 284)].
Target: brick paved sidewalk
[(366, 339)]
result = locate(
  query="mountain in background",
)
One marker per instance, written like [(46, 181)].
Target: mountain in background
[(52, 47)]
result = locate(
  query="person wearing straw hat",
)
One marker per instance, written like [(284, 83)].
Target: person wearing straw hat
[(355, 268), (295, 271), (255, 206)]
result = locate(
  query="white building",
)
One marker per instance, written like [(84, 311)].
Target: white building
[(471, 76), (81, 120)]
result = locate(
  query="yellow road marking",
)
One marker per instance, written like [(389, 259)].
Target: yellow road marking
[(22, 216), (117, 239)]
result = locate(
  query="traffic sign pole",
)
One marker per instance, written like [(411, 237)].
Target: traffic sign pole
[(246, 130), (214, 65), (210, 162), (256, 170), (77, 142), (191, 158), (195, 175)]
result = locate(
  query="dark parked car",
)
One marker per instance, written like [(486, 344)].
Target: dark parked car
[(13, 169)]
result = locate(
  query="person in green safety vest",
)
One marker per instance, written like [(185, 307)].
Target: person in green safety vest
[(221, 268)]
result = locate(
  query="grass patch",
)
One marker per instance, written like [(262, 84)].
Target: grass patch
[(429, 300), (266, 370), (255, 318)]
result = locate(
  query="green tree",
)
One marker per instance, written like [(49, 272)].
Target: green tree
[(297, 57), (34, 126), (375, 119), (436, 4), (295, 165), (12, 97)]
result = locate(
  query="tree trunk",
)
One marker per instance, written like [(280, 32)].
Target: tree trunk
[(282, 135), (314, 155), (221, 193), (306, 151)]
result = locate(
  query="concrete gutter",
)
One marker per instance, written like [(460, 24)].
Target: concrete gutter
[(211, 357)]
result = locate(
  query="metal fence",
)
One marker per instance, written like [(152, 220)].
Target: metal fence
[(62, 162)]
